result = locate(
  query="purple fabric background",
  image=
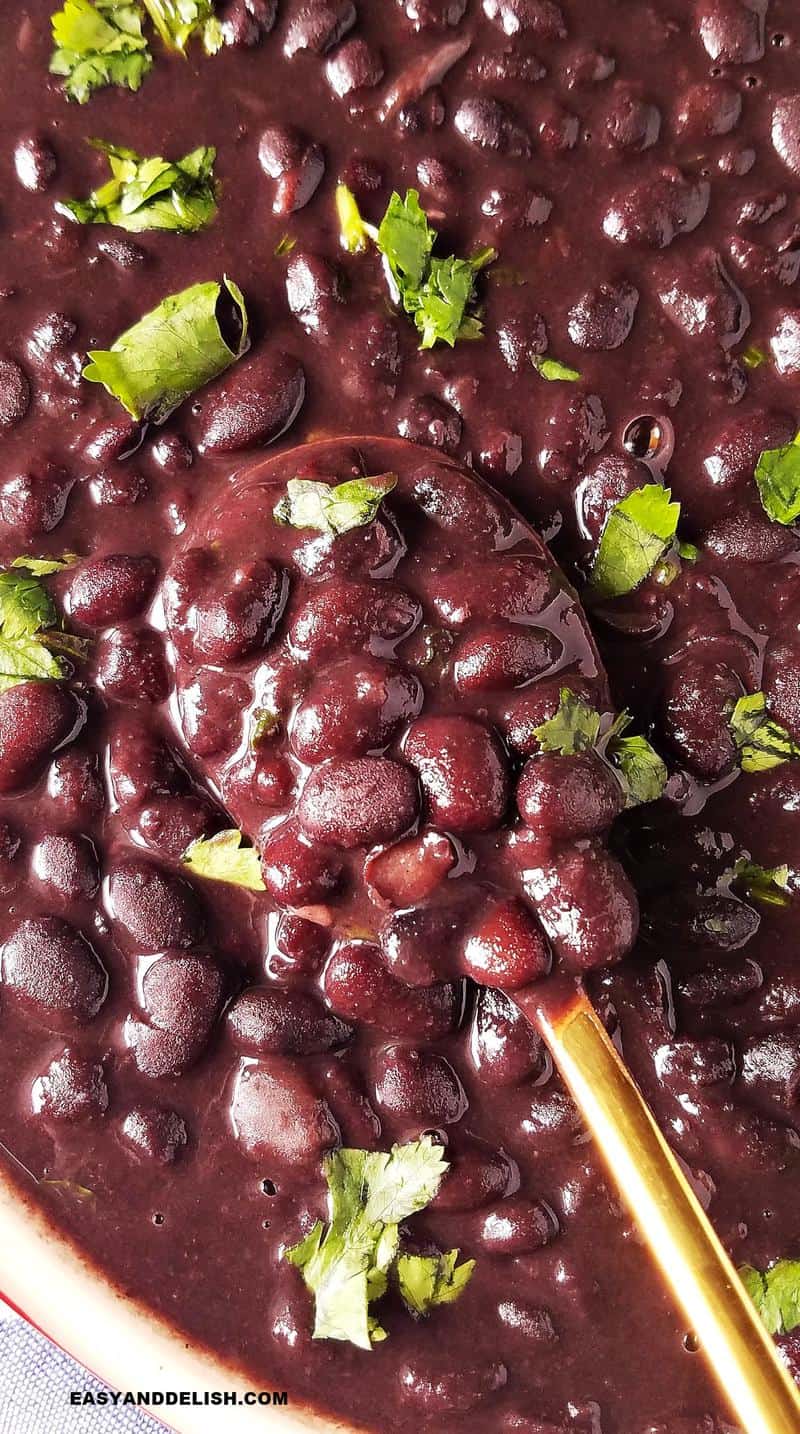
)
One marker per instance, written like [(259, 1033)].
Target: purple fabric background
[(35, 1383)]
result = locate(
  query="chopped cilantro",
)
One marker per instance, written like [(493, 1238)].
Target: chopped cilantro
[(28, 631), (637, 534), (642, 771), (265, 724), (176, 348), (406, 240), (43, 567), (224, 858), (26, 659), (775, 1293), (99, 44), (332, 509), (762, 742), (438, 293), (284, 246), (753, 357), (425, 1281), (443, 300), (766, 884), (554, 371), (778, 479), (150, 193), (354, 231), (178, 21), (346, 1263), (578, 727), (574, 728), (25, 604), (689, 552)]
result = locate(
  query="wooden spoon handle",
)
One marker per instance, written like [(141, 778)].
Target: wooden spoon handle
[(744, 1359)]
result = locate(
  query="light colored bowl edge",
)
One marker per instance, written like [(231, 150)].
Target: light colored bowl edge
[(46, 1277)]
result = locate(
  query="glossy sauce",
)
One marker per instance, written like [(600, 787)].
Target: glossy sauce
[(636, 169)]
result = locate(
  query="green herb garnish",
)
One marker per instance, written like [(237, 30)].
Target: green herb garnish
[(642, 771), (224, 858), (578, 727), (332, 509), (265, 724), (574, 728), (354, 231), (768, 885), (174, 350), (346, 1263), (761, 741), (753, 357), (99, 44), (437, 293), (778, 479), (775, 1293), (44, 567), (178, 21), (637, 534), (150, 193), (28, 625), (406, 240), (425, 1281), (689, 552), (554, 371)]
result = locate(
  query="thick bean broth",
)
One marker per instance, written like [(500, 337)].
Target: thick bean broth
[(635, 168)]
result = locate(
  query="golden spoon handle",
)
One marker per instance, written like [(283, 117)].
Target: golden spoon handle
[(742, 1355)]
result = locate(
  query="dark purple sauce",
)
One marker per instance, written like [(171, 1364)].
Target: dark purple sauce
[(636, 167)]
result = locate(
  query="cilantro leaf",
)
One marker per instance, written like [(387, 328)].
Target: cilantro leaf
[(176, 348), (390, 1187), (99, 44), (766, 884), (224, 858), (428, 1280), (440, 310), (554, 371), (265, 724), (28, 632), (150, 193), (25, 605), (638, 531), (177, 21), (753, 357), (578, 727), (330, 508), (406, 240), (436, 292), (353, 230), (642, 771), (346, 1263), (775, 1293), (43, 567), (26, 659), (336, 1270), (574, 728), (778, 479), (761, 741)]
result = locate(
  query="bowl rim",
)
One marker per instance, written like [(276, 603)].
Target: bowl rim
[(48, 1279)]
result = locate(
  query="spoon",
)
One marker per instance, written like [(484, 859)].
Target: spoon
[(670, 1219), (742, 1355)]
